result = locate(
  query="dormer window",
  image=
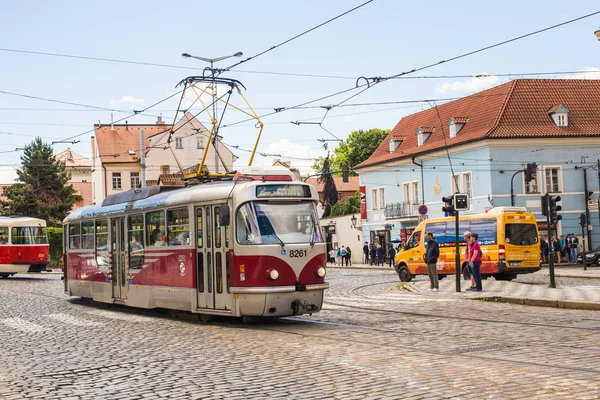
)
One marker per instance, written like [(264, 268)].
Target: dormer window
[(560, 115), (423, 134), (456, 124), (394, 142)]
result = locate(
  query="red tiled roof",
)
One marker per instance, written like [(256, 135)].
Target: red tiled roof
[(84, 189), (151, 182), (460, 120), (517, 109), (341, 186), (114, 145), (171, 179)]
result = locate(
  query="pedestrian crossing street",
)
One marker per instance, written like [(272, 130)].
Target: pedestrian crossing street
[(85, 319)]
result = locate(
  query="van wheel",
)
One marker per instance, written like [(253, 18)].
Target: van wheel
[(404, 274), (440, 277)]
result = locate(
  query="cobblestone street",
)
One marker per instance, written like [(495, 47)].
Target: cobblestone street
[(372, 340)]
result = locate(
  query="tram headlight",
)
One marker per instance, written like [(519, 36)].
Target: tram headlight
[(321, 272), (273, 274)]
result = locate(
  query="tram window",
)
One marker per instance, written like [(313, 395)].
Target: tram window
[(74, 236), (199, 228), (208, 230), (178, 227), (246, 226), (102, 244), (219, 271), (87, 235), (200, 277), (155, 228), (4, 235), (217, 228), (29, 235), (136, 241)]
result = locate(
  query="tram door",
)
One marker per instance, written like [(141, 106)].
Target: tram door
[(211, 260), (119, 253)]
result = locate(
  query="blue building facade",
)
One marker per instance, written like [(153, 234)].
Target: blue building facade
[(502, 131)]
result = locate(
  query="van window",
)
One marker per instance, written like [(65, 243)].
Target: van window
[(521, 234), (487, 229), (450, 239), (414, 239), (439, 232)]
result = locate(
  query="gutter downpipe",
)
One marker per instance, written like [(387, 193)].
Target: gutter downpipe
[(422, 183), (105, 184)]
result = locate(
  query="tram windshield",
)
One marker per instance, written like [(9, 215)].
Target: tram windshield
[(277, 223)]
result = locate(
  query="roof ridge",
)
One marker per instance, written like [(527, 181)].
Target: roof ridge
[(501, 113)]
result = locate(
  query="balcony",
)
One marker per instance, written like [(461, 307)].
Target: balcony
[(401, 210)]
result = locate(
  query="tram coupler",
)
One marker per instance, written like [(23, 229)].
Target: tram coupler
[(303, 306)]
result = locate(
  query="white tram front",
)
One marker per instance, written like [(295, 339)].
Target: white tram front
[(247, 247)]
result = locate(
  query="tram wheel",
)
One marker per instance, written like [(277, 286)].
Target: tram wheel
[(4, 276)]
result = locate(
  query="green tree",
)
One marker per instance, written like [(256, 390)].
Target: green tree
[(330, 193), (350, 205), (355, 149), (55, 238), (43, 190)]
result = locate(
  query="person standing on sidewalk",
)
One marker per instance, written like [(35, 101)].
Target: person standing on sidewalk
[(392, 255), (373, 254), (366, 252), (467, 236), (348, 256), (431, 257), (343, 254), (573, 247), (475, 262)]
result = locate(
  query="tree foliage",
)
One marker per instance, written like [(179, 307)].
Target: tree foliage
[(357, 148), (43, 190), (330, 193), (350, 205), (55, 238)]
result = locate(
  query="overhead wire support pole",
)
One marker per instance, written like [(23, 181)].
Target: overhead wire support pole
[(457, 252), (546, 203), (512, 192)]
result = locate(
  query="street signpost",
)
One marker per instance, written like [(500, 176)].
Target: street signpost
[(422, 209)]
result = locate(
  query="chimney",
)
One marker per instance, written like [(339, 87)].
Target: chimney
[(160, 121), (126, 128), (69, 154), (165, 170)]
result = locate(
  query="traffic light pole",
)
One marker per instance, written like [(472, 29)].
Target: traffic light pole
[(583, 257), (457, 255), (512, 191), (587, 210), (550, 247)]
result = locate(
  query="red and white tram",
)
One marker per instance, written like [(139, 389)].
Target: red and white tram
[(23, 245), (179, 249)]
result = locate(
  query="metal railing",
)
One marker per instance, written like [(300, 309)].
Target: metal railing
[(398, 210)]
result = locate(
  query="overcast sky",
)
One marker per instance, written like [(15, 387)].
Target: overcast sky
[(382, 38)]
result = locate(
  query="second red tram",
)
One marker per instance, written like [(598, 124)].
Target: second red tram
[(247, 247), (23, 245)]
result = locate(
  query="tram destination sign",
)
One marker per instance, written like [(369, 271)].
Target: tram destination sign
[(269, 191)]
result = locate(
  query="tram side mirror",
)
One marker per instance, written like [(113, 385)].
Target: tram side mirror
[(224, 217)]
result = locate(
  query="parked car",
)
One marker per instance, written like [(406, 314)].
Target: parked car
[(592, 257)]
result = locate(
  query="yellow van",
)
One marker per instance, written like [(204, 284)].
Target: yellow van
[(508, 237)]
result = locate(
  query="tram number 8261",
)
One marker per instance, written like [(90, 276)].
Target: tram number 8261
[(298, 253)]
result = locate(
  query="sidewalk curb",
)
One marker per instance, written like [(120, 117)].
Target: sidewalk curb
[(567, 304), (578, 276)]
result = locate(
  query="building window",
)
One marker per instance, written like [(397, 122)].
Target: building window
[(382, 198), (165, 170), (561, 120), (374, 199), (135, 180), (200, 142), (116, 180), (179, 143), (415, 192), (552, 180), (406, 192), (466, 184)]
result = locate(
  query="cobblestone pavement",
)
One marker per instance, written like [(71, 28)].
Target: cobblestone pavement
[(372, 340)]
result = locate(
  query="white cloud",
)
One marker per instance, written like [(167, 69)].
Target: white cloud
[(471, 85), (127, 100), (348, 119), (586, 73)]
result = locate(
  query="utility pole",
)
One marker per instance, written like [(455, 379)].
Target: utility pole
[(457, 255), (143, 158), (587, 210), (547, 206)]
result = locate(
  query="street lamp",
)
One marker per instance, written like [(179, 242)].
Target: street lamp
[(353, 220), (214, 92)]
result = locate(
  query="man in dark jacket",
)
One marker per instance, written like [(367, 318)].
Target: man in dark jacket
[(431, 257), (366, 251)]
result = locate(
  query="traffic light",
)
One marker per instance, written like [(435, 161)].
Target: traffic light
[(545, 205), (449, 205), (554, 208), (530, 172), (461, 202), (345, 173), (582, 220), (589, 195)]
